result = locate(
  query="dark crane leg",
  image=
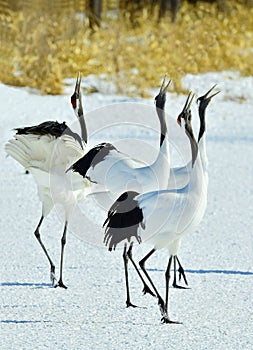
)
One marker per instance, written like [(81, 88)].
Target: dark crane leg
[(127, 255), (162, 306), (125, 258), (181, 273), (167, 281), (52, 266), (146, 288), (165, 319), (63, 242)]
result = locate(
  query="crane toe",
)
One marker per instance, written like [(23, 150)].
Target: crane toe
[(165, 319), (61, 285)]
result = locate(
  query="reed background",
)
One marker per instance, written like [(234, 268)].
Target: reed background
[(132, 43)]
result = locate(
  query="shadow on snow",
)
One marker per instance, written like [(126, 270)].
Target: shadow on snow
[(226, 272), (21, 321), (25, 284)]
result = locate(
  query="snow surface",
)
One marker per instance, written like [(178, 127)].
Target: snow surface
[(216, 313)]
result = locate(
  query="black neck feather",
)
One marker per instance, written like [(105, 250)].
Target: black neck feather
[(194, 145), (202, 116), (82, 124), (161, 115)]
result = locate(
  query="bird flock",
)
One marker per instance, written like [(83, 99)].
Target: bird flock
[(153, 204)]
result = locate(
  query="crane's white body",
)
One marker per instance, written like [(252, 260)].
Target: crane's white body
[(179, 177), (170, 214), (47, 157), (118, 173)]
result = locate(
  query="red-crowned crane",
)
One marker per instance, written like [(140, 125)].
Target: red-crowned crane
[(46, 151)]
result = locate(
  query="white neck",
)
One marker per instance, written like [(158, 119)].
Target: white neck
[(161, 165), (198, 179)]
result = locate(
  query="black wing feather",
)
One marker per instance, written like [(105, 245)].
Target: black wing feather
[(123, 220), (52, 128), (92, 158)]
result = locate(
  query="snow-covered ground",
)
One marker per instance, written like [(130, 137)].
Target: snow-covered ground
[(216, 313)]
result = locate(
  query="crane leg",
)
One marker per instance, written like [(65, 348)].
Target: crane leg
[(146, 288), (167, 281), (125, 258), (181, 274), (52, 266), (63, 242), (165, 318)]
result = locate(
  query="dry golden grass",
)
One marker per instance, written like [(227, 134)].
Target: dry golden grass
[(39, 49)]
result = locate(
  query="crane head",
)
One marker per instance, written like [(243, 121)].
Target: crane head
[(76, 97), (205, 99), (160, 99), (186, 112)]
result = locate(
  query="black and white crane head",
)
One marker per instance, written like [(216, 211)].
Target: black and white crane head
[(203, 103), (160, 98), (76, 93), (76, 102), (186, 111), (186, 116)]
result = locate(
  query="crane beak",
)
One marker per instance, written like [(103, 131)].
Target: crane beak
[(207, 96), (185, 114), (78, 83), (164, 85), (188, 102), (161, 97)]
